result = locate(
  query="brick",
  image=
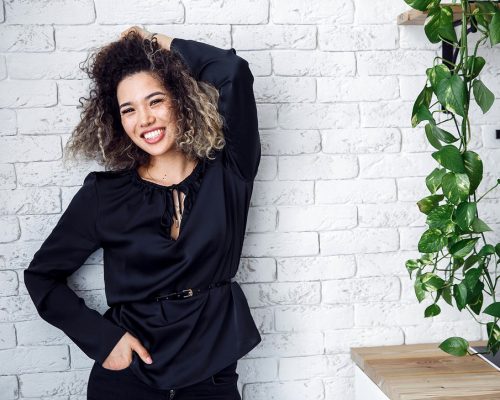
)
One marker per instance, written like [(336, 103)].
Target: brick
[(133, 12), (51, 173), (47, 120), (9, 387), (394, 114), (282, 192), (289, 345), (280, 244), (413, 37), (355, 190), (316, 218), (318, 166), (257, 370), (23, 94), (374, 12), (313, 318), (357, 38), (395, 165), (60, 65), (268, 168), (53, 384), (245, 12), (357, 89), (263, 294), (317, 12), (290, 142), (357, 290), (49, 11), (264, 319), (318, 116), (296, 368), (315, 268), (30, 148), (341, 340), (8, 283), (26, 38), (358, 240), (389, 215), (34, 359), (39, 332), (256, 270), (313, 63), (7, 339), (8, 127), (29, 201), (9, 230), (285, 89), (263, 37), (261, 219), (360, 140), (396, 62), (382, 264)]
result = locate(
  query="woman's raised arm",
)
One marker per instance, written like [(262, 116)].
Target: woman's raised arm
[(231, 75)]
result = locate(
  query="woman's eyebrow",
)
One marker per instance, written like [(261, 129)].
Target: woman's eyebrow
[(128, 103)]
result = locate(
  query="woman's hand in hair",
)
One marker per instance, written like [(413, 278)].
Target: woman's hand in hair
[(121, 355), (163, 40)]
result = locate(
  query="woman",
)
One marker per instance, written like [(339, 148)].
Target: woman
[(176, 122)]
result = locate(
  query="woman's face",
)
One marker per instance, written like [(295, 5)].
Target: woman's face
[(146, 112)]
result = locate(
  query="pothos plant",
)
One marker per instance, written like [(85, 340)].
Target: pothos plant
[(456, 260)]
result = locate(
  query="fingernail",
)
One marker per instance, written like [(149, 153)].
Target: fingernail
[(148, 360)]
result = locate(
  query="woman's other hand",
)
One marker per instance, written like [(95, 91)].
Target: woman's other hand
[(121, 355), (163, 40)]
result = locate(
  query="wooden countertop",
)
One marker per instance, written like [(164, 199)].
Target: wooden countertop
[(424, 371)]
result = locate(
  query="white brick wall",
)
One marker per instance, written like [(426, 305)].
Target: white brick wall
[(333, 214)]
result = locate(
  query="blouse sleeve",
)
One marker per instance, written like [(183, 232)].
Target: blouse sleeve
[(69, 244), (231, 75)]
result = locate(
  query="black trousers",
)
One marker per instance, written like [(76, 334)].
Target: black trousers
[(106, 384)]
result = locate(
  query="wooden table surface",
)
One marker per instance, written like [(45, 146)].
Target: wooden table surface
[(423, 371)]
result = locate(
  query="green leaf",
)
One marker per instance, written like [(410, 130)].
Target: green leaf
[(440, 217), (432, 311), (497, 249), (411, 265), (460, 295), (471, 278), (433, 180), (475, 65), (441, 134), (432, 240), (479, 226), (439, 25), (484, 97), (437, 74), (419, 290), (427, 204), (447, 295), (431, 137), (493, 309), (466, 212), (431, 282), (463, 247), (473, 168), (450, 158), (476, 298), (419, 4), (451, 93), (455, 187), (486, 250), (456, 346), (494, 28)]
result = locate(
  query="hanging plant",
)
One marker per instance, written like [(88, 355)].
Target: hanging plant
[(455, 257)]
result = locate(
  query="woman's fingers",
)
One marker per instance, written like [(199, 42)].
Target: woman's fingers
[(142, 32), (141, 351)]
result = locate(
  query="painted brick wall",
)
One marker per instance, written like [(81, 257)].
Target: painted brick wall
[(333, 214)]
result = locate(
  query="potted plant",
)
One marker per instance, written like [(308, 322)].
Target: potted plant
[(456, 260)]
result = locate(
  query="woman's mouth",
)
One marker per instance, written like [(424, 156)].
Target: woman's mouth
[(154, 136)]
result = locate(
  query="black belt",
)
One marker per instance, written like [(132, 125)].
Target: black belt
[(190, 292)]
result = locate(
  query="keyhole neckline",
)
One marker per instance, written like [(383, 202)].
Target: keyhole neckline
[(194, 174)]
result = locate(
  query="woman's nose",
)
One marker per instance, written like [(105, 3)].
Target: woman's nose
[(147, 118)]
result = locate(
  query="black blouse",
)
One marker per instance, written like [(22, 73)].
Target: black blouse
[(192, 338)]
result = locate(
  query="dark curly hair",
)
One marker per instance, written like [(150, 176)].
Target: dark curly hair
[(100, 135)]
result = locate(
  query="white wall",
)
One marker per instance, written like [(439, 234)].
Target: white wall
[(333, 214)]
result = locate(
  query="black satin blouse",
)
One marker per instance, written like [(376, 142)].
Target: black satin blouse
[(189, 339)]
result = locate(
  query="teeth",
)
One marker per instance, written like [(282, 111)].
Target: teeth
[(153, 134)]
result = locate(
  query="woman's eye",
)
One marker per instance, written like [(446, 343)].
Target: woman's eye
[(158, 100), (126, 111)]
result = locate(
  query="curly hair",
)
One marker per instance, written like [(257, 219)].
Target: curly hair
[(100, 135)]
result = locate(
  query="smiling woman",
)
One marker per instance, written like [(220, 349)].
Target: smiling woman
[(179, 129)]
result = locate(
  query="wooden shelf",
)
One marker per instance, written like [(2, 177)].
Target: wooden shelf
[(415, 17)]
